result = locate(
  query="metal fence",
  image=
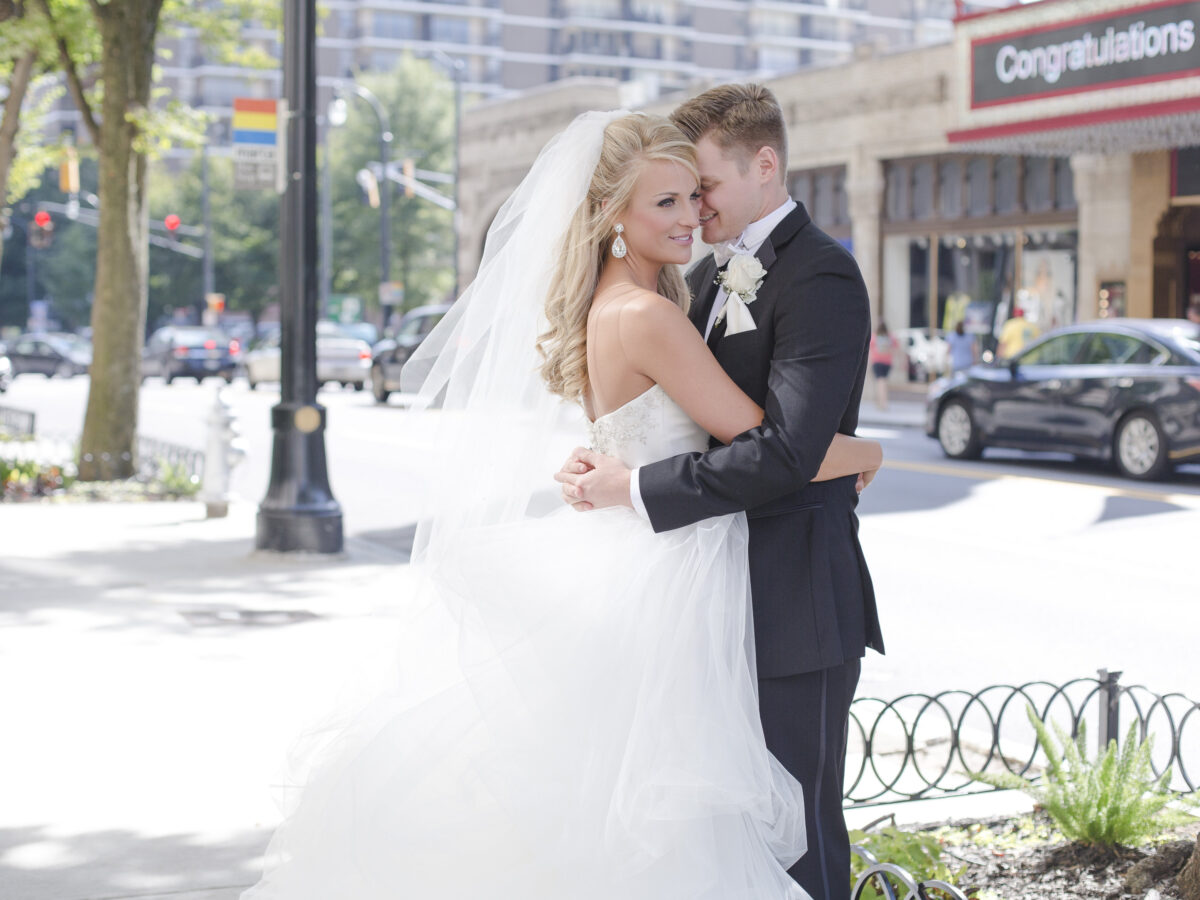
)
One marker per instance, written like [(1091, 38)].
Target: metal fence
[(155, 456), (923, 746), (17, 422)]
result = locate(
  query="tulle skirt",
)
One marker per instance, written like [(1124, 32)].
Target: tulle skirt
[(592, 732)]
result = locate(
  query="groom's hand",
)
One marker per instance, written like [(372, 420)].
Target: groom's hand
[(592, 480)]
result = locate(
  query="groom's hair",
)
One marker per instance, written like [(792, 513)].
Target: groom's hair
[(740, 118)]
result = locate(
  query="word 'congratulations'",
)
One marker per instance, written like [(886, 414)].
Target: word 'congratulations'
[(1139, 41)]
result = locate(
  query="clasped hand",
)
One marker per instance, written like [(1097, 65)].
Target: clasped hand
[(591, 480)]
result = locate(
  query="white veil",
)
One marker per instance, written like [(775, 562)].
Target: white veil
[(500, 433)]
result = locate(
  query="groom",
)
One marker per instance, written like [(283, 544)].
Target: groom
[(803, 361)]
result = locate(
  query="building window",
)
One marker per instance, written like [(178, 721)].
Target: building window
[(950, 187), (979, 186), (896, 201), (448, 30), (1039, 175), (1007, 182), (394, 25), (923, 190), (1064, 184)]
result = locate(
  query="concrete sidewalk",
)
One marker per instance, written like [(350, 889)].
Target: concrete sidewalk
[(154, 670)]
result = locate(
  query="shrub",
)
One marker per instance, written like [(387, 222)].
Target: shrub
[(1114, 800)]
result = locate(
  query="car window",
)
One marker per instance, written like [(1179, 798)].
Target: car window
[(1120, 349), (410, 327), (1056, 351), (25, 347), (198, 338), (428, 323)]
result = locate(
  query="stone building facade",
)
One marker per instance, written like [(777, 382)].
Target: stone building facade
[(1031, 163)]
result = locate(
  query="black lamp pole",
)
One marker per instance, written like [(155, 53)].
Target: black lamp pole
[(299, 511)]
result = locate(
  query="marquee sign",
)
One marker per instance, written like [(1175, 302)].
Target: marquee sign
[(1151, 42)]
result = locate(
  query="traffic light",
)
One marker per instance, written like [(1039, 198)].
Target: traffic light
[(42, 233), (409, 174), (172, 222)]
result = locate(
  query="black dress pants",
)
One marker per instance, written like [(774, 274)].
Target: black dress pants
[(805, 719)]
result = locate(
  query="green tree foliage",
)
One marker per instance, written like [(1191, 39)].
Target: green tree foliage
[(1114, 800), (106, 53), (419, 98)]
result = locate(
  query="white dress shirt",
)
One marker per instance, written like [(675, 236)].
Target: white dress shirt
[(747, 242)]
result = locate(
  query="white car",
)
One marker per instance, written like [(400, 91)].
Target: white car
[(340, 359), (5, 371)]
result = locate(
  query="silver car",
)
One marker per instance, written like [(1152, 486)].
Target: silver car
[(341, 359)]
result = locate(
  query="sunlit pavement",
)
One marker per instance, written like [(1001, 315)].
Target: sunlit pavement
[(154, 669)]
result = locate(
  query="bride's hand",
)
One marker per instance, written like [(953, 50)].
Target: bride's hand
[(592, 480)]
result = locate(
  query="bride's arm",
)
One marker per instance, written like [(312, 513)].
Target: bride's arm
[(660, 342), (850, 456)]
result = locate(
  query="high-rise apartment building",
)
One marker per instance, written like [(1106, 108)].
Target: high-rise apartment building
[(506, 46)]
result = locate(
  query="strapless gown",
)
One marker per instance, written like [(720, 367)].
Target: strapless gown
[(596, 736)]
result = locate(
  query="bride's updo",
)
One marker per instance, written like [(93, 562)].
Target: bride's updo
[(629, 143)]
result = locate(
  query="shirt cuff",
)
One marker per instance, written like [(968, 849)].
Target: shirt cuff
[(635, 495)]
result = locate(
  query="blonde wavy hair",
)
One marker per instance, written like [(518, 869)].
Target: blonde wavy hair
[(630, 142)]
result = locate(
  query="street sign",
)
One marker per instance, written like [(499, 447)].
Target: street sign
[(391, 293), (258, 144)]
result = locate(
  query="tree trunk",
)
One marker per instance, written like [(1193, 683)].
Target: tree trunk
[(17, 85), (1188, 880), (108, 449)]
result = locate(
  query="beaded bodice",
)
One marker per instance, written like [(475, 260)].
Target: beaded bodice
[(648, 428)]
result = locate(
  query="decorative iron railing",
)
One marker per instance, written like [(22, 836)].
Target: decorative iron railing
[(884, 877), (922, 746), (16, 422), (154, 456)]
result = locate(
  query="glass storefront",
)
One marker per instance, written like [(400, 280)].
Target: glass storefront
[(962, 276)]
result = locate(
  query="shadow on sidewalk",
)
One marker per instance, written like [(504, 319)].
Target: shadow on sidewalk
[(36, 864)]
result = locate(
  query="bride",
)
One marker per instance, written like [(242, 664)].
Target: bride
[(593, 733)]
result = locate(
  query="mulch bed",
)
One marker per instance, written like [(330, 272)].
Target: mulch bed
[(1025, 859)]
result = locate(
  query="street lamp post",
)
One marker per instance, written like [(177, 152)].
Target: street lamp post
[(337, 116), (299, 512), (458, 65)]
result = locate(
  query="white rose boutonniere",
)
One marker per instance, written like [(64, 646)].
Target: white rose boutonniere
[(741, 279)]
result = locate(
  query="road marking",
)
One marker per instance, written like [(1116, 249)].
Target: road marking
[(1189, 501)]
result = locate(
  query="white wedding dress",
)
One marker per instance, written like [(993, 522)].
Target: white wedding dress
[(597, 739)]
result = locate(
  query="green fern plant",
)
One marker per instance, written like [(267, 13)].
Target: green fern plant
[(1114, 800)]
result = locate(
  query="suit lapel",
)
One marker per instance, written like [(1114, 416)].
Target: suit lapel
[(704, 291)]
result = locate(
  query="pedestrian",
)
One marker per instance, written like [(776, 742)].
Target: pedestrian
[(963, 352), (883, 347), (1016, 333)]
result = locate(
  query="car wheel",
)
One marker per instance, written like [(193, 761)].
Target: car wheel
[(358, 385), (377, 387), (168, 377), (957, 432), (1140, 448), (252, 383), (228, 376)]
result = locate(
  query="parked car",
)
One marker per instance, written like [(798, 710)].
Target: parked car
[(341, 359), (5, 370), (390, 354), (190, 351), (927, 357), (1125, 390), (49, 354)]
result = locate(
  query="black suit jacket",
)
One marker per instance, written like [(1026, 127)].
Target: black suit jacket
[(805, 363)]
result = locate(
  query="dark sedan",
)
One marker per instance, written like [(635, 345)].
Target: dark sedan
[(389, 356), (1125, 390), (189, 351), (62, 355)]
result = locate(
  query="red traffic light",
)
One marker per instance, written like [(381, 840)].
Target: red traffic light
[(172, 222), (42, 219)]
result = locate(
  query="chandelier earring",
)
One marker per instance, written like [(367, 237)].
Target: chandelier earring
[(618, 246)]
